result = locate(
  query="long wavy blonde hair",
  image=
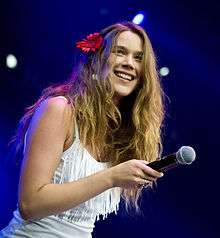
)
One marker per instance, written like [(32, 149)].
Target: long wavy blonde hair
[(130, 131)]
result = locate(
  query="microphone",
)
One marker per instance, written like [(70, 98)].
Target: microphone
[(184, 156)]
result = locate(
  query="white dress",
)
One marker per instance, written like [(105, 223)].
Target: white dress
[(78, 222)]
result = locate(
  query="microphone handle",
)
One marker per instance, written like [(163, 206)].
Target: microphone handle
[(164, 164)]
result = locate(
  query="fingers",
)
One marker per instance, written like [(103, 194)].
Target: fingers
[(149, 173), (146, 176), (143, 183), (134, 173)]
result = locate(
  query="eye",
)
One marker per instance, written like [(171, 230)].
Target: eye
[(139, 57), (120, 52)]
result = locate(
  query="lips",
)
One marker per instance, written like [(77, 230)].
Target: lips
[(124, 75)]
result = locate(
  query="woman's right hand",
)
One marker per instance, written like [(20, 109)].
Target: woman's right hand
[(133, 173)]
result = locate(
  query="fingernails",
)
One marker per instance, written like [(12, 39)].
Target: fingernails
[(161, 174)]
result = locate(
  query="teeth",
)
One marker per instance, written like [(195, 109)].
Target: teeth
[(124, 76)]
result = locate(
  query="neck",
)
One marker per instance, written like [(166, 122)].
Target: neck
[(117, 100)]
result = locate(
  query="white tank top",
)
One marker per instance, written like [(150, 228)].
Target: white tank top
[(76, 162)]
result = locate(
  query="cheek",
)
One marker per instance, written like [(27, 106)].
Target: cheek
[(112, 60), (137, 82), (139, 69), (109, 66)]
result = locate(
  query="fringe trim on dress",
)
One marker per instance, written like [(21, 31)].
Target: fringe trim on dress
[(76, 163)]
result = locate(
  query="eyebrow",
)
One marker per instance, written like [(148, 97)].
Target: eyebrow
[(124, 48)]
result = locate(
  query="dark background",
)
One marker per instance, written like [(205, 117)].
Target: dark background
[(185, 36)]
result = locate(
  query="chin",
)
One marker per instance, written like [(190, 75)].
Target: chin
[(123, 88), (123, 92)]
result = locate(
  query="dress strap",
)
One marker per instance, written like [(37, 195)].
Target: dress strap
[(76, 130)]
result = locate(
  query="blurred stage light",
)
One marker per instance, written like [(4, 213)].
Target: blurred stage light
[(138, 19), (164, 71), (11, 61)]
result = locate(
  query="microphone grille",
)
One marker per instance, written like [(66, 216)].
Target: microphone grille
[(186, 155)]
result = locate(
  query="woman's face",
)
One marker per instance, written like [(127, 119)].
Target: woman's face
[(125, 64)]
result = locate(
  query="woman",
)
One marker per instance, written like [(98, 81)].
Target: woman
[(88, 141)]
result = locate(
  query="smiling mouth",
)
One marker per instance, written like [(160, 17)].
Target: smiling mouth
[(124, 76)]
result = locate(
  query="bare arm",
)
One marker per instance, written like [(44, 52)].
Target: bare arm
[(38, 197), (47, 133)]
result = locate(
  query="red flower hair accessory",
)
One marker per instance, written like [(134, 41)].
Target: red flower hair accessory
[(91, 43)]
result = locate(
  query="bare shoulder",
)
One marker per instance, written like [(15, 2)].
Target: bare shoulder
[(51, 115), (56, 108), (57, 104)]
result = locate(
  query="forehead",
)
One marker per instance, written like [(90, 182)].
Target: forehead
[(130, 40)]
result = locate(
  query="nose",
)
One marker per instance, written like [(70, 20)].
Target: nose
[(128, 62)]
